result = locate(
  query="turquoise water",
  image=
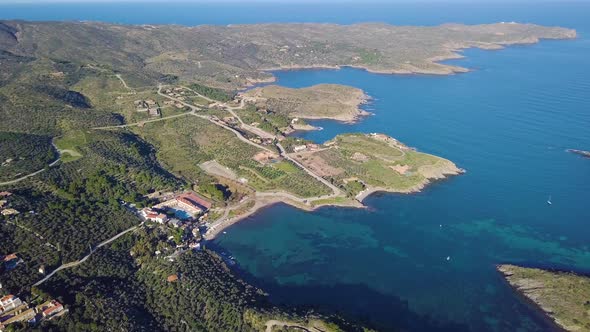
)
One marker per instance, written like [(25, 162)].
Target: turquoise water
[(508, 123), (181, 214)]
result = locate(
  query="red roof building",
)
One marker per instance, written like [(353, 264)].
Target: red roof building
[(194, 200), (10, 257), (55, 308)]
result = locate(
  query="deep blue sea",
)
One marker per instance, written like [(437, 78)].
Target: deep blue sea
[(508, 122)]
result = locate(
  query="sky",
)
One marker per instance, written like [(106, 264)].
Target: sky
[(270, 1)]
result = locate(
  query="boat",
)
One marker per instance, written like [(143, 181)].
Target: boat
[(448, 258), (549, 201)]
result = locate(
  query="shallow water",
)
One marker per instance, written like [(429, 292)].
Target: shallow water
[(508, 123)]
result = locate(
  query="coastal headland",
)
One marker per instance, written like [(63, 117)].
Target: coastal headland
[(149, 114), (563, 296), (184, 79)]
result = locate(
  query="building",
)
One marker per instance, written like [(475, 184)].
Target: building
[(188, 202), (11, 261), (9, 212), (152, 215), (154, 111), (192, 201), (172, 278), (299, 148), (53, 309), (9, 302), (5, 194)]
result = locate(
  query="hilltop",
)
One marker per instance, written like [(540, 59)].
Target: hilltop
[(240, 55)]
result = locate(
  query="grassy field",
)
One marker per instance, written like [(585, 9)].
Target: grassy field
[(331, 101), (375, 163), (563, 296), (69, 144), (183, 144)]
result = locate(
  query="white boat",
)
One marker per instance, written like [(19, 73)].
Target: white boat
[(549, 201)]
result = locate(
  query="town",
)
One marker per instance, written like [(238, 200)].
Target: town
[(183, 213), (14, 310)]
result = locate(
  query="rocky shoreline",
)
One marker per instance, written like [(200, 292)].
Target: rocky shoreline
[(563, 297)]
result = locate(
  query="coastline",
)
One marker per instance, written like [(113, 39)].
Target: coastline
[(438, 68), (546, 293), (264, 200)]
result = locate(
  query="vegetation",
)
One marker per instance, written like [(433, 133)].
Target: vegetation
[(183, 144), (21, 154), (117, 290), (213, 93), (76, 205), (563, 296), (230, 58), (331, 101), (356, 161)]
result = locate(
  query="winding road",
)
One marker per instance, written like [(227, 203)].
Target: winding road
[(83, 259)]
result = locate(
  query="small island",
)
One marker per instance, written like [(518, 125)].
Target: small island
[(564, 296), (582, 153), (322, 101)]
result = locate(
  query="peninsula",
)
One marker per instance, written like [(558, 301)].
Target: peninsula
[(322, 101), (565, 297), (156, 151)]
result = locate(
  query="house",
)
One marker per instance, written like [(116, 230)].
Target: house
[(230, 120), (9, 212), (8, 303), (299, 148), (3, 202), (5, 194), (7, 300), (154, 111), (53, 309), (9, 258), (312, 146), (172, 278), (42, 269), (11, 261), (155, 216)]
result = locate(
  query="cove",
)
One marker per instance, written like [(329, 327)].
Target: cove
[(508, 123)]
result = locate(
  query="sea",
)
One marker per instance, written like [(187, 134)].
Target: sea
[(424, 261)]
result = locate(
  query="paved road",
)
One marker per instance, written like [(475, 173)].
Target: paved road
[(34, 173), (83, 259)]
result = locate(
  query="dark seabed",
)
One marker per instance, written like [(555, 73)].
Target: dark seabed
[(508, 123)]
